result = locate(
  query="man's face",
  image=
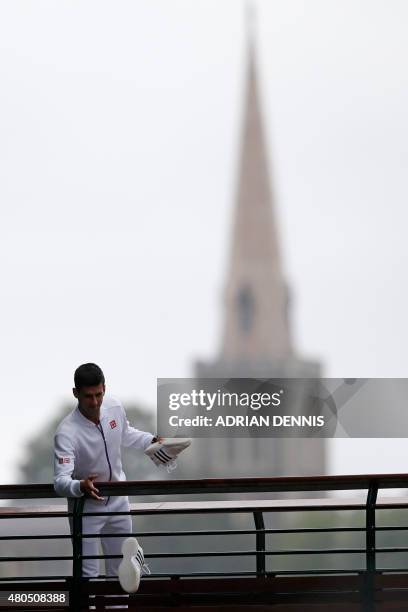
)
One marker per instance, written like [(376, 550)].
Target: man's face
[(90, 398)]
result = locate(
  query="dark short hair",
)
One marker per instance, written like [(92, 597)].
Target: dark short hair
[(88, 375)]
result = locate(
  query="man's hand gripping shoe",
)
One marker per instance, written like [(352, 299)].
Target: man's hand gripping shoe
[(165, 450)]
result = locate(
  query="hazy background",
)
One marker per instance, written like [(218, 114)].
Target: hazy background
[(119, 134)]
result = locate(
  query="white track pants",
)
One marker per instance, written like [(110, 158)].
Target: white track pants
[(101, 525)]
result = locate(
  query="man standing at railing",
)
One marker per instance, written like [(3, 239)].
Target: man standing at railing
[(88, 448)]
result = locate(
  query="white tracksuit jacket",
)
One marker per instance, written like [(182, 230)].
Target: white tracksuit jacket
[(83, 448)]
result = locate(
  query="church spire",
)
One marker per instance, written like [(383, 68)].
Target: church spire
[(250, 21), (256, 325)]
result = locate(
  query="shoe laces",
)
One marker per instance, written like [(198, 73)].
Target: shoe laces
[(145, 570), (171, 466)]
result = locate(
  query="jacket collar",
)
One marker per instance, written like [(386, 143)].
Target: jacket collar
[(86, 422)]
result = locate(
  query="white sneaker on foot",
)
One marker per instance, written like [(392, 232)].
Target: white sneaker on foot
[(132, 566), (165, 452)]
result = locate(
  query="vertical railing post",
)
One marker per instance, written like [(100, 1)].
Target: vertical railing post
[(369, 600), (75, 590), (260, 543)]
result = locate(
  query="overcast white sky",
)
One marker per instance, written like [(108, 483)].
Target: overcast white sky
[(119, 132)]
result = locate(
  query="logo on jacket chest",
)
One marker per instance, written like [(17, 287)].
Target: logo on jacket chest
[(112, 424)]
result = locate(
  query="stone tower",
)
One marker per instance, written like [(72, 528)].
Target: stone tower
[(256, 339), (256, 322)]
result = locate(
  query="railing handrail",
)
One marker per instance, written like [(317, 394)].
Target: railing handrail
[(221, 485)]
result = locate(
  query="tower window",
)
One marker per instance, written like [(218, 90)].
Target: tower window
[(246, 309)]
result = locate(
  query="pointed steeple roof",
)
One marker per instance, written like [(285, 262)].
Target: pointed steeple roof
[(256, 326)]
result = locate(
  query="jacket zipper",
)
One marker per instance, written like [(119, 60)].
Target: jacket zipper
[(99, 426)]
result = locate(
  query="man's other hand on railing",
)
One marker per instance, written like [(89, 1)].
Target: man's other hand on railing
[(88, 487)]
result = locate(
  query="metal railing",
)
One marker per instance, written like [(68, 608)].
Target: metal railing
[(371, 484)]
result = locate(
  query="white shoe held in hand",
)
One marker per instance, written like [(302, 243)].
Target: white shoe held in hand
[(132, 566), (165, 451)]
